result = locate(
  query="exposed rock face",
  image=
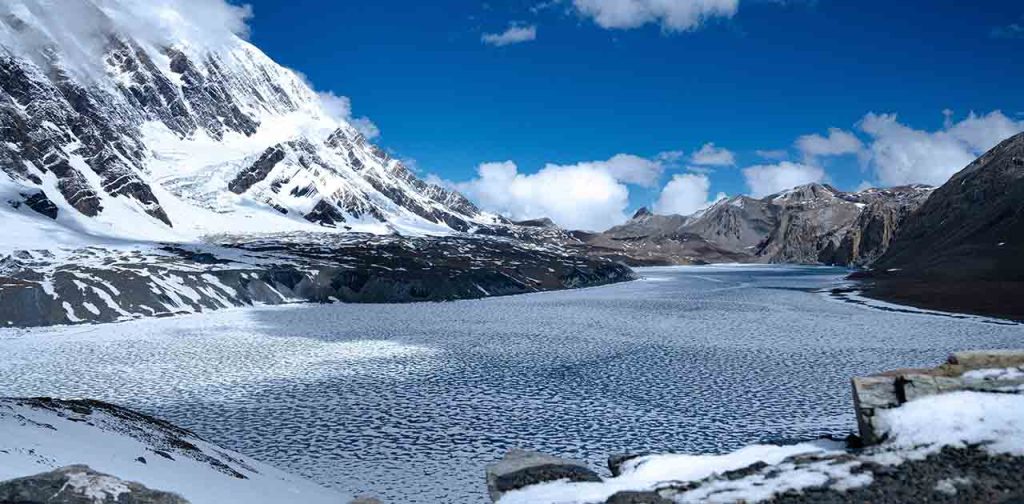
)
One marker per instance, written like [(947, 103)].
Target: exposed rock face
[(810, 224), (100, 285), (521, 468), (79, 484)]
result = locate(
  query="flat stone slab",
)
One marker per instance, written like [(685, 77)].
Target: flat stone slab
[(521, 468)]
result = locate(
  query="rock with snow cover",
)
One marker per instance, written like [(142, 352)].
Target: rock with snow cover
[(79, 484)]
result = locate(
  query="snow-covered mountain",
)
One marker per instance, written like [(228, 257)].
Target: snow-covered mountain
[(180, 131)]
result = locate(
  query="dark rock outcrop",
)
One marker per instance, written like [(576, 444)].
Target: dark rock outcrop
[(96, 285), (521, 468)]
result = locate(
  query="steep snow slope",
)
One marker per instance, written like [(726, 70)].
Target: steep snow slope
[(44, 434), (114, 128)]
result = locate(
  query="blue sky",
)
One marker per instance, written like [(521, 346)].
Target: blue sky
[(590, 82)]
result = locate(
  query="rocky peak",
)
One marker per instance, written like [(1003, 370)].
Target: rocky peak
[(641, 213)]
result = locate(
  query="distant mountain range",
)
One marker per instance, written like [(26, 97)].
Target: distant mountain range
[(809, 224)]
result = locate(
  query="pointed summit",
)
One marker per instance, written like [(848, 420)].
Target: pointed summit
[(642, 212)]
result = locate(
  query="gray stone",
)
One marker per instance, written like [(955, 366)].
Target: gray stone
[(616, 461), (521, 468), (631, 497), (365, 499), (79, 484)]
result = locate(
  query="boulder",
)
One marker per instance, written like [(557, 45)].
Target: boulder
[(521, 468), (893, 388), (79, 484)]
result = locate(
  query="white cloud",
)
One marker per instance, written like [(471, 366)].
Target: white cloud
[(837, 143), (512, 35), (684, 194), (632, 169), (339, 108), (580, 196), (709, 155), (769, 179), (672, 15), (899, 154)]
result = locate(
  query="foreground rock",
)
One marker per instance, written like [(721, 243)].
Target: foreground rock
[(79, 484), (104, 285), (520, 468), (988, 371), (958, 441), (124, 449)]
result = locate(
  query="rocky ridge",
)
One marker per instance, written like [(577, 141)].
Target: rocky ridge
[(809, 224), (101, 284)]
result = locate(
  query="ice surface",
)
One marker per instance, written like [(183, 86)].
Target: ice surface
[(409, 402)]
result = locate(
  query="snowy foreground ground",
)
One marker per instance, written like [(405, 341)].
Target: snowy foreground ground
[(38, 436), (994, 422)]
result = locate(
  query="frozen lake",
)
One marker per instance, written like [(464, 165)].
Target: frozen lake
[(409, 402)]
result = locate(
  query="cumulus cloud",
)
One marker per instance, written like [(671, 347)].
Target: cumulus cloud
[(632, 169), (512, 35), (339, 108), (589, 195), (709, 155), (580, 196), (672, 15), (770, 179), (899, 154), (685, 194), (837, 143)]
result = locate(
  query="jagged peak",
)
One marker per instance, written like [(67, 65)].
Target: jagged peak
[(641, 213)]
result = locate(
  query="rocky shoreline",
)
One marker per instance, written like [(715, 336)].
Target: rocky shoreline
[(994, 298), (954, 433)]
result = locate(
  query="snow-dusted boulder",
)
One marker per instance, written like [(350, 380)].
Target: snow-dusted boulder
[(982, 371), (79, 484)]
